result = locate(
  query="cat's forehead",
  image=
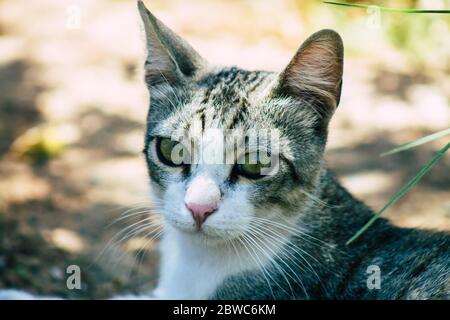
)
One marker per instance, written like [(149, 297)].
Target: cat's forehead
[(231, 86), (227, 99)]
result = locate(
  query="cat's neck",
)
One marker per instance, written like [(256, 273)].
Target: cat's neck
[(330, 224), (341, 215)]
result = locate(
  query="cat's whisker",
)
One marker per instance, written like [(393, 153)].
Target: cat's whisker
[(273, 261), (134, 232), (310, 239), (151, 205), (250, 241), (121, 207), (284, 251), (113, 241), (291, 231), (147, 211), (123, 254), (261, 267), (143, 249), (289, 242), (318, 200), (118, 234), (271, 256), (238, 255), (295, 230)]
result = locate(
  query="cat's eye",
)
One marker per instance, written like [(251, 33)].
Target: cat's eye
[(170, 152), (252, 167)]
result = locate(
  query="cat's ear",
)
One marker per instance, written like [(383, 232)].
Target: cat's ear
[(169, 58), (315, 72)]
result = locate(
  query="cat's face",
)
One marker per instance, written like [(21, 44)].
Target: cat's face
[(228, 150)]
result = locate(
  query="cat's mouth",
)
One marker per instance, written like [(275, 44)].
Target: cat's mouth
[(215, 231), (212, 237)]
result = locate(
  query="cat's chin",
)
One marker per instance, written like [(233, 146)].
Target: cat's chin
[(207, 235), (203, 239)]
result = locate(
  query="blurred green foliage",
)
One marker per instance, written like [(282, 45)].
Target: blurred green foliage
[(421, 38)]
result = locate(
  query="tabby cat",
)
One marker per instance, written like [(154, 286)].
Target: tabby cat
[(232, 232)]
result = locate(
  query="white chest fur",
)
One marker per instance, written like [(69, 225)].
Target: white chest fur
[(189, 271)]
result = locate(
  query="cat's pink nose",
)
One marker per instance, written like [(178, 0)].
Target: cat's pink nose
[(200, 212), (202, 198)]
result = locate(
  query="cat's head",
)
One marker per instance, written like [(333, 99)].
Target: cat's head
[(270, 128)]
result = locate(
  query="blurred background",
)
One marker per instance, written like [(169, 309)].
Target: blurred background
[(73, 106)]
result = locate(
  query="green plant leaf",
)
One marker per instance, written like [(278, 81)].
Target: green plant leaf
[(402, 191), (418, 142), (365, 6)]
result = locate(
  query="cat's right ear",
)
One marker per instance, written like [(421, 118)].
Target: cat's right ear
[(169, 58), (315, 72)]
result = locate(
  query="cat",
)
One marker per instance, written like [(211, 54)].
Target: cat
[(233, 236), (231, 232)]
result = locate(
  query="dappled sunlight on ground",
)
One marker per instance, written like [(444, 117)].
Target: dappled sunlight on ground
[(73, 107)]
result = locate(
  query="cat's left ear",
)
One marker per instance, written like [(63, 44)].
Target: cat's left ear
[(315, 72), (169, 57)]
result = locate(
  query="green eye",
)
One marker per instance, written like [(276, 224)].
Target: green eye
[(252, 166), (170, 152)]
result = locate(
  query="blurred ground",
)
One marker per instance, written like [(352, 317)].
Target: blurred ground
[(72, 109)]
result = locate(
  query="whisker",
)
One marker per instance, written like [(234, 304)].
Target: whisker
[(132, 214), (289, 255), (124, 253), (159, 231), (113, 241), (290, 243), (295, 230), (258, 263), (273, 261), (136, 231), (318, 200), (247, 239)]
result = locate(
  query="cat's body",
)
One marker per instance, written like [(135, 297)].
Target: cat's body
[(231, 231)]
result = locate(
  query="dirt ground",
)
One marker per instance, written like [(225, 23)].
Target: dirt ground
[(72, 112)]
